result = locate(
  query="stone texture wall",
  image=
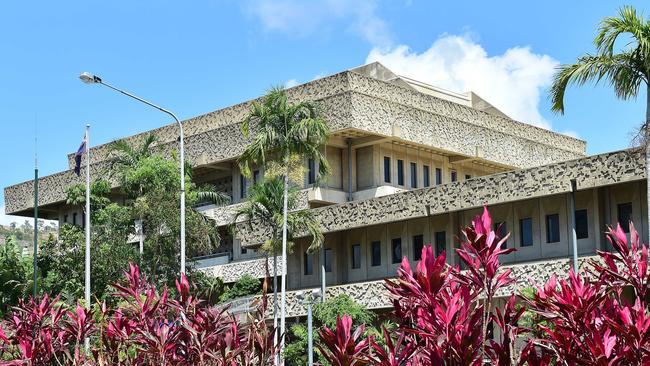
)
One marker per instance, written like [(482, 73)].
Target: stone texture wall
[(231, 272), (592, 171), (349, 101)]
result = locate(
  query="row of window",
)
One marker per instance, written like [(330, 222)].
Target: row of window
[(624, 211), (74, 219), (426, 174)]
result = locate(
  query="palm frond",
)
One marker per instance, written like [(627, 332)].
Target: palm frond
[(627, 22), (214, 197)]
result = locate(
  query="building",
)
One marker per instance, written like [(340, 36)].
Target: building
[(411, 164)]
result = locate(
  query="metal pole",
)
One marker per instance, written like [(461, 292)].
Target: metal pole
[(35, 229), (141, 236), (572, 220), (323, 273), (87, 274), (283, 281), (182, 160), (310, 340)]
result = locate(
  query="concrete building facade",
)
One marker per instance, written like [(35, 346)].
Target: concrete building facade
[(411, 165)]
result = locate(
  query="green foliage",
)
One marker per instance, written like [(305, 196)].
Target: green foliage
[(15, 275), (247, 285), (208, 287), (325, 313)]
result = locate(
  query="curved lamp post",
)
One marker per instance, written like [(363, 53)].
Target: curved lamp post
[(94, 79)]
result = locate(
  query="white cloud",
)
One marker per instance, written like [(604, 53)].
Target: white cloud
[(512, 81), (291, 83), (569, 133), (303, 18)]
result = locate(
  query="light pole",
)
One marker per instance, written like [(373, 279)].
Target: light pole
[(309, 299), (94, 79)]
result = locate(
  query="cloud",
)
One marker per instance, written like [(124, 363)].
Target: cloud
[(291, 83), (512, 82), (304, 18), (8, 219)]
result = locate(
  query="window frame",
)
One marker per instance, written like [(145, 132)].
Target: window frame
[(375, 245), (522, 242), (387, 162), (414, 174), (400, 172), (417, 252), (355, 258), (553, 228), (579, 233), (393, 246)]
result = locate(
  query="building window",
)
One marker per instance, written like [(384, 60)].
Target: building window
[(501, 230), (396, 249), (625, 215), (356, 256), (74, 218), (418, 245), (414, 175), (454, 176), (526, 232), (65, 219), (438, 176), (386, 169), (425, 176), (400, 172), (441, 242), (311, 165), (242, 186), (244, 250), (582, 224), (309, 264), (256, 176), (467, 176), (552, 228), (327, 261), (375, 246)]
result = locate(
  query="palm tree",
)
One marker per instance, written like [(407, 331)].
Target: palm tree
[(626, 70), (264, 205), (281, 130)]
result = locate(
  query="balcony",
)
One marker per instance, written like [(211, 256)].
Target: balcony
[(230, 271)]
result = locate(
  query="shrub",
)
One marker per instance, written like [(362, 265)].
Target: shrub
[(247, 285)]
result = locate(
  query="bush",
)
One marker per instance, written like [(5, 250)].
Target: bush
[(247, 285)]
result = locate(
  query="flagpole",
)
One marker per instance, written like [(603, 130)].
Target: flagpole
[(87, 217), (35, 211)]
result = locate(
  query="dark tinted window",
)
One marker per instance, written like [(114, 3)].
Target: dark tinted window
[(242, 186), (414, 175), (74, 218), (386, 169), (467, 176), (375, 246), (309, 264), (400, 172), (441, 242), (582, 224), (438, 176), (625, 215), (396, 249), (356, 256), (552, 228), (312, 171), (454, 176), (526, 232), (426, 179), (418, 244), (328, 260)]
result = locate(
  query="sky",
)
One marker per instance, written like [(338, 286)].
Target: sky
[(199, 56)]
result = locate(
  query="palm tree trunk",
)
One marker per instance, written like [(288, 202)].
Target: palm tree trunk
[(283, 301), (647, 156)]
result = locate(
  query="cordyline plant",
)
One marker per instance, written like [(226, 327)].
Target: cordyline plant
[(146, 328), (598, 317)]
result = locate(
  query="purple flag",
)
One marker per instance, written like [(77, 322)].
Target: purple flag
[(77, 157)]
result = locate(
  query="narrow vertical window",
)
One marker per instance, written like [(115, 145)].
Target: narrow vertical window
[(418, 245), (309, 264), (242, 186), (375, 246), (552, 228), (454, 176), (65, 219), (312, 171), (74, 218), (438, 176), (441, 242), (396, 249), (356, 256), (425, 176), (386, 169), (625, 215), (526, 232), (414, 175), (256, 176), (327, 261), (582, 224), (501, 230), (400, 172)]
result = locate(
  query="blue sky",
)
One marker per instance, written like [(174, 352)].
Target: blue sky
[(197, 58)]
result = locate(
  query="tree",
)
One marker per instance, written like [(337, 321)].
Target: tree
[(15, 275), (627, 70), (264, 206), (281, 130)]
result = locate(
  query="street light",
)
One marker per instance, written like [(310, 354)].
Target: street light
[(89, 78), (309, 299)]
